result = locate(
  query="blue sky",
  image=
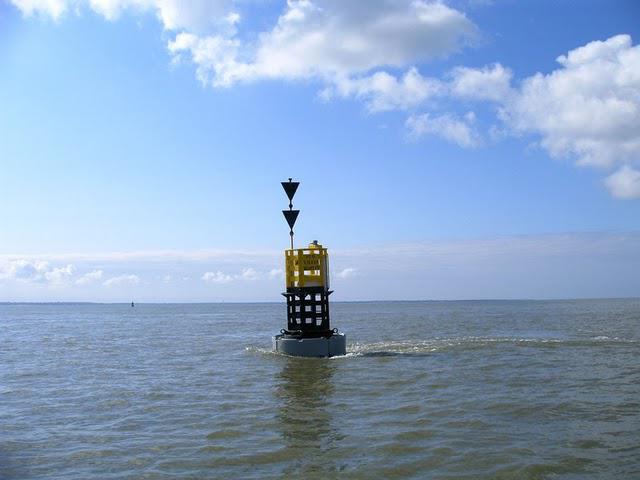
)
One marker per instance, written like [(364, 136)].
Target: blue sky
[(467, 149)]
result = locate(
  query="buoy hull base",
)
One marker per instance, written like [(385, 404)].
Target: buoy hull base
[(333, 346)]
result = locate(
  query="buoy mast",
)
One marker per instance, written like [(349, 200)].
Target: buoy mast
[(308, 331)]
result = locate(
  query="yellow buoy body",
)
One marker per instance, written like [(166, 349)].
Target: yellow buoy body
[(307, 267)]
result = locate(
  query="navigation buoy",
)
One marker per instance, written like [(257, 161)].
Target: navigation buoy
[(308, 332)]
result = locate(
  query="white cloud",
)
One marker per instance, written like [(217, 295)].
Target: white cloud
[(214, 57), (23, 270), (383, 92), (347, 273), (194, 15), (348, 37), (217, 277), (624, 183), (61, 275), (489, 83), (89, 278), (345, 44), (588, 109), (603, 264), (35, 271), (275, 273), (247, 274), (122, 280), (53, 8), (457, 130), (332, 40)]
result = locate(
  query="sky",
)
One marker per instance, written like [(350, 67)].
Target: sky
[(467, 149)]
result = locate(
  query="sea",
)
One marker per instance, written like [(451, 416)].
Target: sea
[(428, 390)]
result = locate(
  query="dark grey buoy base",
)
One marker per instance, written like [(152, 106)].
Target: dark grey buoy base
[(333, 346)]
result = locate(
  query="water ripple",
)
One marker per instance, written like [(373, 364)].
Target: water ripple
[(531, 390)]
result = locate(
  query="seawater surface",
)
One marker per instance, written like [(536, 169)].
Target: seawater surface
[(436, 390)]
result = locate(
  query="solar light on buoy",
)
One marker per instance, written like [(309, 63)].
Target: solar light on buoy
[(308, 332)]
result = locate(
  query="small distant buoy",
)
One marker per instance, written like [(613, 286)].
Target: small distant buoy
[(132, 304), (308, 332)]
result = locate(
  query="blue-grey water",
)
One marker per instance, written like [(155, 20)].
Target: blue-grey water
[(436, 390)]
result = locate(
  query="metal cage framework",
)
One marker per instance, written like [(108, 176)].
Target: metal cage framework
[(308, 310)]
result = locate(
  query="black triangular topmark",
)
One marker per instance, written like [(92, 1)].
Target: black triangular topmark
[(290, 188), (291, 216)]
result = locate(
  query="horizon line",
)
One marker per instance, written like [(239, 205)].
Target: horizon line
[(567, 299)]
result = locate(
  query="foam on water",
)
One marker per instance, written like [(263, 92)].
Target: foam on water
[(425, 347)]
